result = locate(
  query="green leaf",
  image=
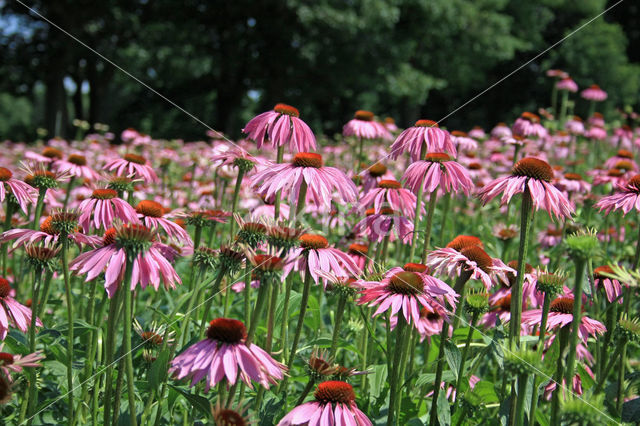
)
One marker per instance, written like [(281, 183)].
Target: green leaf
[(587, 381), (447, 376), (452, 353), (377, 380), (483, 393), (158, 370), (444, 411), (631, 410), (201, 404)]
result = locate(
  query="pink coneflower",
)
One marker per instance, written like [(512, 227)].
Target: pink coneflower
[(151, 214), (500, 131), (280, 127), (47, 233), (23, 193), (463, 142), (104, 205), (377, 225), (594, 93), (557, 73), (424, 132), (533, 175), (528, 124), (359, 253), (406, 291), (567, 84), (438, 171), (561, 314), (472, 259), (550, 237), (133, 165), (611, 286), (150, 267), (390, 124), (574, 125), (12, 313), (596, 132), (615, 177), (364, 126), (390, 193), (372, 175), (596, 119), (225, 353), (625, 200), (437, 289), (76, 165), (307, 167), (16, 363), (49, 154), (623, 160), (314, 252), (334, 405), (574, 183)]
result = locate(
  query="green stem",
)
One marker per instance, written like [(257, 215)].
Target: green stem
[(306, 289), (445, 216), (302, 196), (128, 302), (427, 226), (636, 257), (577, 318), (306, 391), (247, 292), (271, 316), (209, 302), (30, 397), (342, 301), (5, 246), (516, 291), (543, 323), (395, 379), (621, 370), (234, 203), (360, 157), (534, 401), (463, 358), (563, 107), (285, 315), (110, 348), (276, 204), (67, 287), (554, 101), (563, 336), (607, 369), (184, 329), (38, 212), (257, 310), (196, 244), (68, 194), (444, 335), (522, 390)]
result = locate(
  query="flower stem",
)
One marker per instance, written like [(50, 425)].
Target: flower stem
[(234, 203), (577, 318), (516, 291), (184, 330), (285, 315), (463, 358), (276, 204), (636, 257), (543, 322), (621, 370), (67, 286), (522, 389), (607, 369), (30, 397), (38, 211), (5, 246), (342, 301), (395, 378), (445, 216), (306, 289), (271, 316), (209, 302), (68, 194), (257, 310), (247, 293), (427, 226), (306, 391), (555, 401), (433, 416), (128, 305)]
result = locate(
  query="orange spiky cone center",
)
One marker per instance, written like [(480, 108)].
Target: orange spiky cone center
[(533, 168), (150, 208), (227, 330), (335, 392), (287, 110)]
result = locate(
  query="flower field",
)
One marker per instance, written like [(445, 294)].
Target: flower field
[(384, 276)]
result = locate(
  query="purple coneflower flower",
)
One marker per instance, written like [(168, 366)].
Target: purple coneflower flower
[(377, 225), (364, 126), (611, 286), (133, 165), (16, 363), (627, 199), (424, 132), (151, 214), (12, 313), (225, 353), (23, 192), (47, 233), (561, 314), (567, 84), (390, 193), (594, 93), (76, 165), (438, 171), (104, 205), (279, 127)]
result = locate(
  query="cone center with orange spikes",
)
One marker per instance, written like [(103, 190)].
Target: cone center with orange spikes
[(573, 176), (389, 184), (150, 208), (475, 166), (437, 157), (429, 314), (151, 337), (104, 194), (624, 165), (387, 211), (313, 241), (5, 287), (594, 86), (623, 153), (377, 170), (254, 227), (507, 233), (463, 241), (287, 110), (51, 152), (6, 358), (406, 283), (359, 249), (135, 158), (504, 303), (109, 237), (78, 160), (458, 133), (363, 115), (478, 255), (530, 116), (227, 330), (307, 159), (426, 123), (335, 391), (533, 168), (614, 173), (600, 270), (415, 267), (267, 262), (5, 174), (228, 417), (634, 182), (47, 226), (562, 305)]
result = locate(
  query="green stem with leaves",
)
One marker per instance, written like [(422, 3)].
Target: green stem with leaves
[(234, 203), (67, 286), (128, 316), (428, 223), (38, 211), (342, 301), (306, 289), (577, 318), (463, 357)]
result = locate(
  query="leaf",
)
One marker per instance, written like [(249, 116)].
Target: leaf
[(503, 413), (631, 410), (483, 393), (542, 418), (377, 380), (272, 407), (447, 376), (444, 411), (200, 403), (158, 370), (294, 302), (452, 353), (585, 378)]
